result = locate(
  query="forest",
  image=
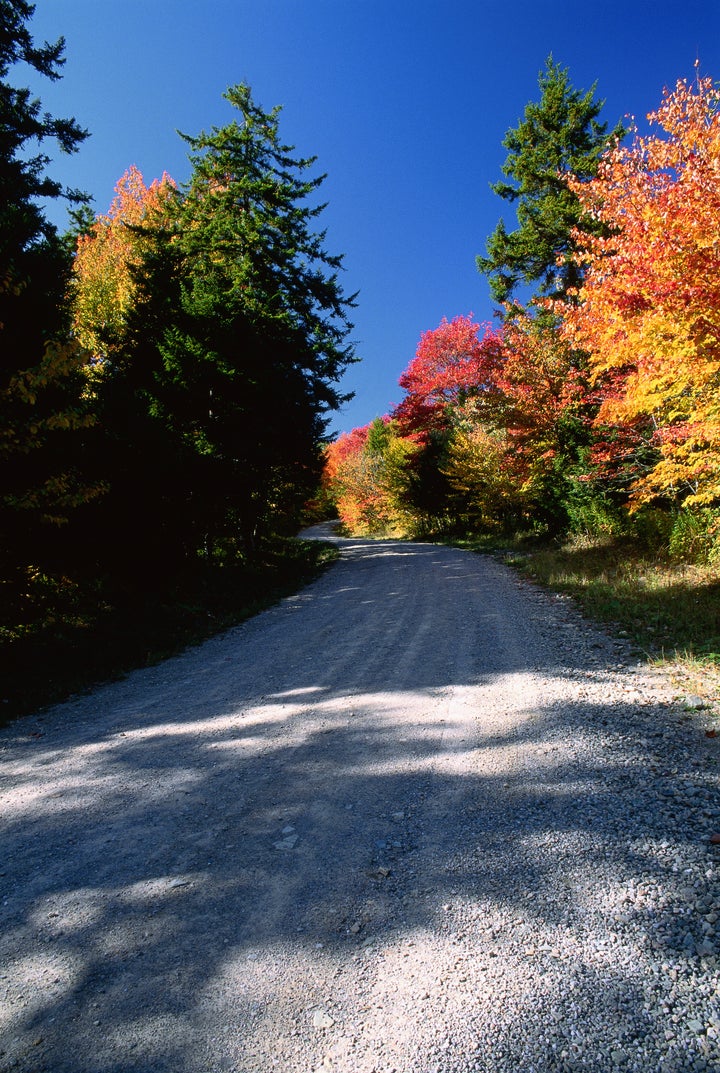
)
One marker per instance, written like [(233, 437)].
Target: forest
[(578, 434), (169, 367), (167, 372), (590, 406)]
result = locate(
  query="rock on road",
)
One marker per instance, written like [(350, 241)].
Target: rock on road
[(418, 818)]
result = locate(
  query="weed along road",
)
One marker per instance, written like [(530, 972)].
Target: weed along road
[(418, 818)]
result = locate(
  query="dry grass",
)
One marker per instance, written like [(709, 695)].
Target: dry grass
[(670, 611)]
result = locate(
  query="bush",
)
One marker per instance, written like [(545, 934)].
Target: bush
[(695, 536), (652, 528), (593, 515)]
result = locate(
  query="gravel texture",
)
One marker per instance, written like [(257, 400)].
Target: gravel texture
[(418, 818)]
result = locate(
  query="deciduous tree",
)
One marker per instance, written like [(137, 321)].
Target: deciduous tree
[(108, 253), (648, 311), (453, 362)]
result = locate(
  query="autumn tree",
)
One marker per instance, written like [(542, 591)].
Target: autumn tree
[(544, 411), (648, 311), (342, 477), (559, 134), (452, 362), (500, 416), (478, 466), (108, 253), (366, 474), (43, 409)]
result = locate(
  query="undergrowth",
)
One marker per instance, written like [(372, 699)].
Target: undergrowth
[(74, 634), (669, 610)]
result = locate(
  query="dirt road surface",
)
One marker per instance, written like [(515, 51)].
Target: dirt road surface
[(418, 818)]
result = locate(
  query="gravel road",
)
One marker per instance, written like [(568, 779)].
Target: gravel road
[(419, 818)]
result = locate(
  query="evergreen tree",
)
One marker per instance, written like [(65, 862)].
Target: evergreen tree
[(559, 134), (265, 309), (235, 343), (41, 378)]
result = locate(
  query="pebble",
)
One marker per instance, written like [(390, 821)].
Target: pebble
[(321, 1019)]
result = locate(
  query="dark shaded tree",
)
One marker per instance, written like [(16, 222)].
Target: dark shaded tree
[(42, 408), (234, 348)]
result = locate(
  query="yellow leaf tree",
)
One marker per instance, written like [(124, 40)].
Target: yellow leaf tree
[(648, 311), (104, 285)]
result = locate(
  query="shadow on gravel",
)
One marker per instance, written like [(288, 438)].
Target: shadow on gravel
[(153, 866)]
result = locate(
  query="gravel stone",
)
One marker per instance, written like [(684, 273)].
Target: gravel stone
[(419, 816)]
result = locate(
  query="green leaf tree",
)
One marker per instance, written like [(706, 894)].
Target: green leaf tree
[(560, 134)]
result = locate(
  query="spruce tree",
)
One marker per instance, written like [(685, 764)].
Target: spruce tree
[(560, 133), (42, 407), (238, 338)]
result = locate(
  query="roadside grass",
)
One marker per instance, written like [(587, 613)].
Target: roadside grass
[(669, 611), (82, 634)]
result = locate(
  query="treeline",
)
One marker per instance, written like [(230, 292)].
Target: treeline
[(592, 406), (167, 368)]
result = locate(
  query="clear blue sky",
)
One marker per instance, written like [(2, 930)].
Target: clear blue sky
[(405, 103)]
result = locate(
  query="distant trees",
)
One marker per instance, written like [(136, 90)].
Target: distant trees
[(594, 408), (367, 475)]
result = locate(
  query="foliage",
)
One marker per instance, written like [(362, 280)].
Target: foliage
[(25, 127), (108, 254), (508, 400), (219, 323), (648, 311), (452, 363), (543, 409), (559, 134), (476, 465), (367, 474), (695, 536), (455, 364)]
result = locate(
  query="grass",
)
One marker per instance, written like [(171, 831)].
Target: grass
[(669, 611), (78, 635)]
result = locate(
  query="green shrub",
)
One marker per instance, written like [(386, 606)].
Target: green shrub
[(652, 528), (695, 536), (593, 515)]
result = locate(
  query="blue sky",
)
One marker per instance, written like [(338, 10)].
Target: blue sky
[(404, 103)]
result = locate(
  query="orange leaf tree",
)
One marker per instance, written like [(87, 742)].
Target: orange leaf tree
[(648, 311), (496, 413), (366, 475), (104, 285), (542, 409)]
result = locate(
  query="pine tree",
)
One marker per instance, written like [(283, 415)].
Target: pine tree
[(235, 343), (42, 408), (559, 135)]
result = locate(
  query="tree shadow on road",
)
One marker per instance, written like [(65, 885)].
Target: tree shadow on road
[(157, 867)]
